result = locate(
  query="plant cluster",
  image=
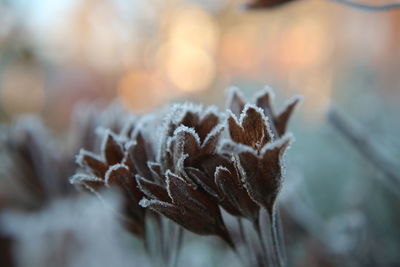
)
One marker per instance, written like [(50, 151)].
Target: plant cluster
[(199, 161)]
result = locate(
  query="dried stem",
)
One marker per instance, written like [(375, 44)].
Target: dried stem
[(356, 135), (245, 240), (260, 236), (277, 237), (368, 7)]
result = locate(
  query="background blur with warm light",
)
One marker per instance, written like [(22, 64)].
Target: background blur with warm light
[(148, 53)]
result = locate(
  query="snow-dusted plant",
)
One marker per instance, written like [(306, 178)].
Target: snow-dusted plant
[(198, 161)]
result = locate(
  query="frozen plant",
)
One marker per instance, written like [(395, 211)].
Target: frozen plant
[(199, 161)]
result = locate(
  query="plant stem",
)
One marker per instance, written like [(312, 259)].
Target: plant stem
[(261, 239), (356, 135), (277, 237), (246, 243), (178, 247)]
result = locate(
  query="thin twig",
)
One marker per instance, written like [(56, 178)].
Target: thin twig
[(368, 7), (374, 154)]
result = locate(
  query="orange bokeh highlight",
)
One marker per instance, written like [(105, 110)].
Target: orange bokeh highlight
[(22, 90), (140, 91)]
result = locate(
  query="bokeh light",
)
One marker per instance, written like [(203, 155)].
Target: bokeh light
[(22, 90), (140, 91)]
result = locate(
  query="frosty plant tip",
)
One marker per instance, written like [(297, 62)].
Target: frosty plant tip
[(199, 162)]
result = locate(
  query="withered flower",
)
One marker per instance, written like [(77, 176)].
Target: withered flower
[(116, 167), (277, 121), (263, 172), (196, 171), (255, 146), (196, 157), (205, 125), (39, 165)]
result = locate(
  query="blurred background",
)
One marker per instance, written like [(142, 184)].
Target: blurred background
[(146, 54)]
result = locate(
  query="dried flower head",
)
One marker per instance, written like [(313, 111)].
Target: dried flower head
[(195, 170), (116, 167), (39, 165)]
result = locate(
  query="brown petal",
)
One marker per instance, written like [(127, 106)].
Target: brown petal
[(211, 141), (139, 152), (255, 127), (211, 162), (263, 176), (112, 150), (235, 130), (274, 152), (119, 175), (252, 130), (207, 123), (187, 141), (202, 180), (187, 219), (91, 163), (190, 119), (197, 203), (281, 121), (235, 101), (232, 189), (184, 195), (128, 161), (93, 184), (250, 164), (152, 190), (264, 101), (156, 171)]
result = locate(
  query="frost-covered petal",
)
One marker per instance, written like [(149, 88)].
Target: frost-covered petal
[(182, 193), (202, 180), (152, 190), (140, 154), (281, 121), (91, 163), (119, 176), (208, 122), (186, 218), (233, 191), (252, 129), (211, 141), (187, 140), (189, 119), (112, 149), (264, 101), (156, 171), (236, 101), (255, 125), (262, 176), (93, 184)]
